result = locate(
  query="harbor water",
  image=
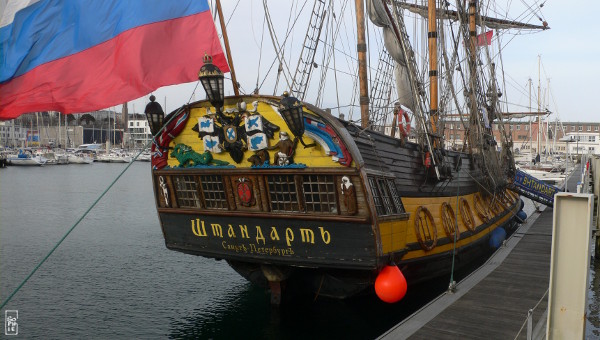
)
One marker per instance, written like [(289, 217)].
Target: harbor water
[(113, 277)]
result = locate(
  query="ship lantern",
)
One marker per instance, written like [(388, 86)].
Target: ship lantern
[(154, 115), (211, 78), (290, 109), (390, 284)]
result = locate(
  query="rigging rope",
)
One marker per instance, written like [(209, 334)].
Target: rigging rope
[(452, 283), (532, 309), (262, 37), (93, 204)]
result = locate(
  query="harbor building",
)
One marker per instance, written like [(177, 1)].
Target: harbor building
[(528, 137)]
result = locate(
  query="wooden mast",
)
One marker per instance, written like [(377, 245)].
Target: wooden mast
[(361, 48), (236, 88), (433, 61), (472, 71), (472, 27)]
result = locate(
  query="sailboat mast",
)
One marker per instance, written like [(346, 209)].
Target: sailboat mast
[(433, 76), (361, 48), (530, 125), (236, 88), (539, 110)]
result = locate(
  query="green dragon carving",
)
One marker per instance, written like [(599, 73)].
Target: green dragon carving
[(189, 158)]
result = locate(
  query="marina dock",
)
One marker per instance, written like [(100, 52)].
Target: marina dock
[(494, 301)]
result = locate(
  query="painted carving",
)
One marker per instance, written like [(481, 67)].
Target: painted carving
[(225, 131), (286, 149), (160, 145), (188, 157), (329, 141), (245, 193), (349, 195), (165, 191), (260, 158)]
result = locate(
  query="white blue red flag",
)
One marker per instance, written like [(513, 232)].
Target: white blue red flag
[(83, 55)]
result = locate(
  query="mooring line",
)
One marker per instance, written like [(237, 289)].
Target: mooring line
[(95, 202), (72, 228)]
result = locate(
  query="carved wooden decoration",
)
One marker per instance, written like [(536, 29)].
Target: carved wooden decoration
[(349, 195)]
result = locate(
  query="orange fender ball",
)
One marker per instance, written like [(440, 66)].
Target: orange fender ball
[(390, 284)]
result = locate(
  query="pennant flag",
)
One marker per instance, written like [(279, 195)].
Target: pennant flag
[(257, 141), (83, 55), (211, 143), (485, 38)]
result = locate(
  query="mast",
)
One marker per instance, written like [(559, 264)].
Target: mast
[(472, 49), (236, 89), (433, 77), (361, 48), (530, 135), (58, 132), (125, 113), (539, 109)]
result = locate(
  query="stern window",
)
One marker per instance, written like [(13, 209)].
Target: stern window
[(187, 192), (283, 194), (214, 192), (386, 198), (395, 196), (319, 193), (376, 197)]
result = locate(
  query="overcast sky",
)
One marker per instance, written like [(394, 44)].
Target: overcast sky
[(569, 52)]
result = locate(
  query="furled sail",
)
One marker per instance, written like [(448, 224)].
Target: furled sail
[(489, 22), (378, 16)]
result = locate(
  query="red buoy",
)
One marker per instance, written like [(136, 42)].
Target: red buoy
[(390, 284)]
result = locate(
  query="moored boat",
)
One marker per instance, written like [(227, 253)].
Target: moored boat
[(80, 157), (332, 219), (292, 196), (27, 158)]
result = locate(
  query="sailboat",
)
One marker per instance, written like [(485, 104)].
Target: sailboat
[(543, 165), (293, 197)]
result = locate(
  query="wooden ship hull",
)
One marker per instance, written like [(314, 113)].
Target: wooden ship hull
[(333, 214)]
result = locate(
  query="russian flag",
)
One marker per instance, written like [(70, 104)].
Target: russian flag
[(83, 55)]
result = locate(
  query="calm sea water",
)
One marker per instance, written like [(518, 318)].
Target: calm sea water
[(114, 278)]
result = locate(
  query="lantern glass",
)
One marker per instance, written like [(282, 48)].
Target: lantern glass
[(154, 115), (291, 111), (211, 78)]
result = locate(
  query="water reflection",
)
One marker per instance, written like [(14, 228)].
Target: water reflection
[(593, 311), (246, 313), (113, 276)]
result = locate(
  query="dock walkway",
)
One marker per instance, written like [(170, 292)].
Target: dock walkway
[(493, 302)]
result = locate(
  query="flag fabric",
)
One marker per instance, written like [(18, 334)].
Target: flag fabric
[(485, 38), (83, 55)]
